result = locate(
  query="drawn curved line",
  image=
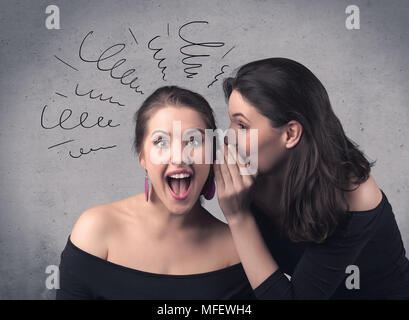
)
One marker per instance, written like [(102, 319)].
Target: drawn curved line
[(194, 65), (219, 74), (160, 60)]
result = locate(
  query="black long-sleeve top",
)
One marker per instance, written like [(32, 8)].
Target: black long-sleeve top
[(88, 277), (370, 240)]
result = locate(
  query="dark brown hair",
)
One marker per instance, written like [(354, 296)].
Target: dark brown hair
[(176, 97), (321, 165)]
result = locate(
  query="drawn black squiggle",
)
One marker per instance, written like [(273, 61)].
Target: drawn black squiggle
[(105, 56), (157, 50), (83, 117), (89, 94), (194, 65), (91, 149), (219, 74)]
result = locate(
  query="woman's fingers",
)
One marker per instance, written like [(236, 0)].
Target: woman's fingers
[(239, 170), (229, 176), (218, 173), (234, 167), (225, 171), (232, 191)]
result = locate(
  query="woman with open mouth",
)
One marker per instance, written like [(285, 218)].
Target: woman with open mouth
[(160, 244)]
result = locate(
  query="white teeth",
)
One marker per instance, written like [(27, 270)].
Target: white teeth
[(180, 175)]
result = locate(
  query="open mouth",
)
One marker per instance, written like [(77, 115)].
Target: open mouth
[(179, 185)]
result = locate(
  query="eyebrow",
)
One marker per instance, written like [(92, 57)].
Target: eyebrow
[(167, 133), (240, 114), (159, 131), (196, 129)]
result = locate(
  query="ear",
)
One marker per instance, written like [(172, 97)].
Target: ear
[(142, 160), (293, 132)]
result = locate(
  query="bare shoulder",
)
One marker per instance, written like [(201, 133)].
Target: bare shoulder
[(98, 226), (366, 197), (92, 229)]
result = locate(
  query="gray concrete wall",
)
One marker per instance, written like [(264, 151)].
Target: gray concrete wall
[(43, 190)]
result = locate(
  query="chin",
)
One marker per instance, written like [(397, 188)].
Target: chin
[(180, 210)]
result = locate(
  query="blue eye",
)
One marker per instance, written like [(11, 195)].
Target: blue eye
[(160, 143)]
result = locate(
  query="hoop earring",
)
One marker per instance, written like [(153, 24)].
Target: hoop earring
[(146, 186)]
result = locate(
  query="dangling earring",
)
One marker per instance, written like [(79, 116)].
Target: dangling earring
[(146, 186), (209, 189)]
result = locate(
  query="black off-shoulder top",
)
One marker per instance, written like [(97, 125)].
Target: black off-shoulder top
[(369, 247), (364, 259), (85, 276)]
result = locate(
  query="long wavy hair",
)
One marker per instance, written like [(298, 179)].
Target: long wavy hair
[(325, 161)]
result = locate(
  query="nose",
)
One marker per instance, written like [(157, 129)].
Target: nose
[(178, 156)]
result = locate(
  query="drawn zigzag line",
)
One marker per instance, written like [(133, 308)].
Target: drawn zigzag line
[(160, 60), (191, 74), (217, 75), (100, 96)]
